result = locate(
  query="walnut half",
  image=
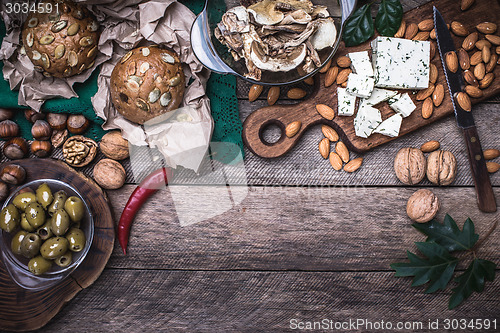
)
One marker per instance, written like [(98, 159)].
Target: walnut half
[(422, 206), (79, 151), (441, 167)]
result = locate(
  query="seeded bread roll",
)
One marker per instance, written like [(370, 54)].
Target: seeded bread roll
[(63, 42), (147, 82)]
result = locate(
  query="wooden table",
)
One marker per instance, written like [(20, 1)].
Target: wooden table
[(307, 243)]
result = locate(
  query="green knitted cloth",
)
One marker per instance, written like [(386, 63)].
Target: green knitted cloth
[(221, 90)]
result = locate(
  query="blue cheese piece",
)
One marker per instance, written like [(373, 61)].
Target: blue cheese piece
[(346, 102), (366, 121), (379, 95), (360, 63), (401, 63), (360, 85), (402, 104), (390, 126)]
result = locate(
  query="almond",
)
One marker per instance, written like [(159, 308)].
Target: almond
[(493, 39), (343, 75), (309, 81), (325, 111), (487, 27), (344, 84), (497, 50), (296, 93), (422, 36), (438, 95), (490, 154), (459, 29), (451, 61), (432, 35), (463, 59), (473, 91), (470, 41), (255, 91), (343, 61), (411, 30), (329, 133), (342, 150), (480, 44), (272, 95), (432, 50), (325, 68), (463, 101), (433, 73), (486, 54), (331, 76), (470, 78), (354, 165), (335, 161), (324, 147), (479, 71), (486, 82), (476, 58), (465, 4), (490, 66), (427, 108), (293, 128), (401, 31), (430, 146), (426, 25), (492, 167), (424, 93)]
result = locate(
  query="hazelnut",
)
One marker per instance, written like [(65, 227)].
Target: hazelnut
[(41, 148), (57, 120), (8, 129), (13, 174), (77, 123), (32, 115), (114, 146), (4, 191), (410, 165), (15, 148), (109, 174), (422, 206), (41, 130), (441, 167), (58, 137), (6, 114), (79, 151)]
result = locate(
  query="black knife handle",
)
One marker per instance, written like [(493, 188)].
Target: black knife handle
[(485, 196)]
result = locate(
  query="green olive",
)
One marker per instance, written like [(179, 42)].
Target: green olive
[(54, 247), (58, 202), (65, 260), (25, 225), (35, 215), (59, 223), (9, 218), (44, 195), (75, 208), (15, 245), (45, 232), (76, 239), (22, 200), (30, 245), (39, 265)]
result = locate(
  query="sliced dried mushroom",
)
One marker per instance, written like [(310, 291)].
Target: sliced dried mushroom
[(326, 34), (79, 151), (282, 63), (265, 12)]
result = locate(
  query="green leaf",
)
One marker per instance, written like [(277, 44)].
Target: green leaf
[(437, 268), (359, 27), (448, 234), (472, 280), (389, 17)]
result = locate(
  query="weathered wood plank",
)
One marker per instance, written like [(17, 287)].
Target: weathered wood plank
[(286, 228), (240, 301)]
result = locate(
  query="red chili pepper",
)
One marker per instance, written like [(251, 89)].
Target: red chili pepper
[(150, 185)]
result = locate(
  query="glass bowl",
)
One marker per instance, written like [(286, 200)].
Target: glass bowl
[(17, 265), (216, 57)]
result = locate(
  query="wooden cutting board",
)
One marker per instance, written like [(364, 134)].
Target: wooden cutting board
[(24, 310), (282, 115)]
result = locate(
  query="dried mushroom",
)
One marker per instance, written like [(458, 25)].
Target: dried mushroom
[(79, 151)]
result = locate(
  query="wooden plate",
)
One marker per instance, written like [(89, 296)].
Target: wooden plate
[(23, 310)]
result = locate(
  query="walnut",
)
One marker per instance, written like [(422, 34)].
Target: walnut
[(410, 165), (441, 167), (422, 206), (79, 151), (110, 174), (114, 146)]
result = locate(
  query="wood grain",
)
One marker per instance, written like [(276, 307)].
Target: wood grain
[(305, 112), (22, 310)]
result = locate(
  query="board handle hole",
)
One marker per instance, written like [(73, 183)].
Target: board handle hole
[(272, 132)]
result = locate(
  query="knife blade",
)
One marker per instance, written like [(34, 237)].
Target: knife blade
[(485, 196)]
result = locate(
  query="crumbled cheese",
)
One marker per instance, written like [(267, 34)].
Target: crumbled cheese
[(402, 104), (366, 121), (360, 85), (346, 102), (360, 63), (390, 126)]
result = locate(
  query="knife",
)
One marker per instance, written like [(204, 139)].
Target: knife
[(485, 196)]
